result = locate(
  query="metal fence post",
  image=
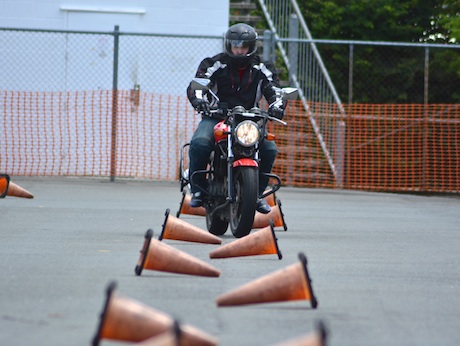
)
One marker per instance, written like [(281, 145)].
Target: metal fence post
[(350, 74), (113, 151), (426, 75), (267, 45), (340, 134), (425, 111), (293, 47)]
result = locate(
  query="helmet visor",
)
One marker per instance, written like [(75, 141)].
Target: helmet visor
[(240, 43), (250, 45)]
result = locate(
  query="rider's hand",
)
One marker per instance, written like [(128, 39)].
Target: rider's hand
[(201, 105), (276, 111)]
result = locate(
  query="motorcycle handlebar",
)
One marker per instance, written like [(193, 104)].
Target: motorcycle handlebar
[(221, 113)]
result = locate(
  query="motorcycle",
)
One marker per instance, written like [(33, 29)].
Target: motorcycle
[(232, 173)]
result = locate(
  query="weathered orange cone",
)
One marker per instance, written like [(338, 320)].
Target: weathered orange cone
[(185, 208), (262, 242), (171, 337), (177, 229), (126, 319), (156, 255), (17, 191), (12, 189), (4, 183), (290, 283), (276, 215), (317, 338)]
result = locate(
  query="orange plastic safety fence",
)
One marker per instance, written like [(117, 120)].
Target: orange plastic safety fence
[(70, 134), (301, 160), (375, 147), (403, 147)]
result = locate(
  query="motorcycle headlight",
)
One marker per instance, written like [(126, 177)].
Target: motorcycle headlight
[(247, 133)]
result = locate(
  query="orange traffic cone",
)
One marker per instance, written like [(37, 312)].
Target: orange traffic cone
[(261, 242), (290, 283), (12, 189), (4, 183), (156, 255), (276, 214), (185, 208), (17, 191), (177, 229), (171, 337), (317, 338), (126, 319)]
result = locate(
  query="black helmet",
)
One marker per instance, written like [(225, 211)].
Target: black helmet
[(241, 35)]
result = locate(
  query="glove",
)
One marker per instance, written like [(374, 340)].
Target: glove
[(276, 111), (201, 105)]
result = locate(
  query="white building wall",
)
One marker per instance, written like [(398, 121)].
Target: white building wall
[(55, 72), (77, 62), (197, 17)]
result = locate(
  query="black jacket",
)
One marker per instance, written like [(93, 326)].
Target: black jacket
[(258, 79)]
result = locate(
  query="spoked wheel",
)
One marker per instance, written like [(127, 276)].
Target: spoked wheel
[(242, 211)]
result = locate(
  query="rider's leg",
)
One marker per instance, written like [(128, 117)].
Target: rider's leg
[(201, 146), (268, 152)]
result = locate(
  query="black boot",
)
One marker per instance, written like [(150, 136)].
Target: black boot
[(196, 200), (262, 206)]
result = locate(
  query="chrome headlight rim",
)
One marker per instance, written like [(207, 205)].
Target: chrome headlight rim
[(247, 133)]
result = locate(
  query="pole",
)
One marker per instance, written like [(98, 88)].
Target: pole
[(113, 149)]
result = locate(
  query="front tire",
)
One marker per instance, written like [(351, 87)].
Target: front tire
[(242, 211)]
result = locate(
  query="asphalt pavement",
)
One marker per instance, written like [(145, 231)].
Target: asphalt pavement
[(384, 266)]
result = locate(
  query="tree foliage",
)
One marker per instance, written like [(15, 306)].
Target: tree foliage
[(384, 20), (389, 74)]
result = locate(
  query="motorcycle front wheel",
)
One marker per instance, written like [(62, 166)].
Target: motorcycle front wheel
[(242, 211)]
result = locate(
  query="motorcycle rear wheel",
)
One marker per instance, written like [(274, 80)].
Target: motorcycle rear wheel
[(242, 211)]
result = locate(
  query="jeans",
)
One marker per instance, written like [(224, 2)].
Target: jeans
[(202, 144)]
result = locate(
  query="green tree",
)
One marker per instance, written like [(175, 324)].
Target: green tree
[(389, 74)]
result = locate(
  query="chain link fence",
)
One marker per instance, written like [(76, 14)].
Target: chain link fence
[(382, 73), (113, 104), (40, 60)]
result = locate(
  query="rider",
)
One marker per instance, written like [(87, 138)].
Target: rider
[(238, 77)]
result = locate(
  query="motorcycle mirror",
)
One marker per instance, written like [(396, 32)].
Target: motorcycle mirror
[(290, 93), (200, 84)]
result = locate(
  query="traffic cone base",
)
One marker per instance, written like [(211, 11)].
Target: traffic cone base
[(126, 319), (261, 242), (185, 208), (276, 215), (177, 229), (290, 283), (4, 182), (156, 255)]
